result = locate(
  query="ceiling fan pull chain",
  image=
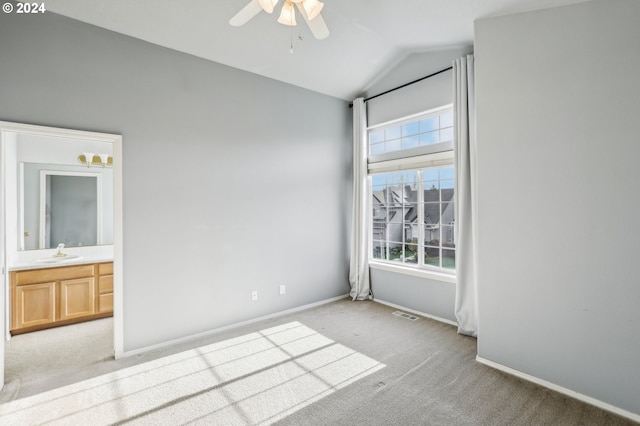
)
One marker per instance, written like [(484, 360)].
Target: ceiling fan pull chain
[(291, 40)]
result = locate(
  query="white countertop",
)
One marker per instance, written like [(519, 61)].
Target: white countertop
[(40, 259), (25, 266)]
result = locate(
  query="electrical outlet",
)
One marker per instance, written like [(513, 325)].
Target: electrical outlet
[(283, 289), (254, 295)]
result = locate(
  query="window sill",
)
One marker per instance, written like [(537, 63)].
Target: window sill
[(422, 273)]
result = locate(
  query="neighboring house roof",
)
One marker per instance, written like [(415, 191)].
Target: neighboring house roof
[(397, 195)]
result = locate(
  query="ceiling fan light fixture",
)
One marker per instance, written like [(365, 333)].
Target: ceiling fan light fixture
[(312, 7), (288, 14), (268, 5)]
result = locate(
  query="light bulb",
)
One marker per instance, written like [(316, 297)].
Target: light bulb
[(88, 157), (104, 159), (287, 15)]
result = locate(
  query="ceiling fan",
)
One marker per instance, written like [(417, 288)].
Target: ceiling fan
[(309, 9)]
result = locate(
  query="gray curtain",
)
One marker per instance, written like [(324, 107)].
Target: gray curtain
[(359, 262), (466, 304)]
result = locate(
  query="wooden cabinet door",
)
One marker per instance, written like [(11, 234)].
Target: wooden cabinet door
[(105, 303), (34, 304), (77, 298)]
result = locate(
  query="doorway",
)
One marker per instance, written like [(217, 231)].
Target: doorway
[(14, 234)]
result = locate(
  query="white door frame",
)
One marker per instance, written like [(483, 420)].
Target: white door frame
[(116, 140)]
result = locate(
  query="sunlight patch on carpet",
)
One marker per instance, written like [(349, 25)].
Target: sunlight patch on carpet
[(257, 378)]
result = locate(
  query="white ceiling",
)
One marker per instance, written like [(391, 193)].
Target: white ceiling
[(367, 36)]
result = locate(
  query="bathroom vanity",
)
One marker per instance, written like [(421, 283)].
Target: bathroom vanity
[(44, 297)]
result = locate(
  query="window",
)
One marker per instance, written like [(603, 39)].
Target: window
[(413, 207), (428, 129)]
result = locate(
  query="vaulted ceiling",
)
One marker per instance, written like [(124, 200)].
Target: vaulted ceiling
[(367, 37)]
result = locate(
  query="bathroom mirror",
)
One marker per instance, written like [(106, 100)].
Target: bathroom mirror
[(65, 204)]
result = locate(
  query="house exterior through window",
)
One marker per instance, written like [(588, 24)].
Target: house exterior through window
[(412, 192)]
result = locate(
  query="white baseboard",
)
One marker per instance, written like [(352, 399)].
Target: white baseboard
[(413, 311), (227, 327), (576, 395)]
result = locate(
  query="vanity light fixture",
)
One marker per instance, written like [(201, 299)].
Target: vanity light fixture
[(90, 159)]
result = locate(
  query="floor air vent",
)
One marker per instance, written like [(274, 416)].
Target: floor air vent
[(405, 315)]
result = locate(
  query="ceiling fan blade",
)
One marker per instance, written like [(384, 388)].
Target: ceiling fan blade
[(247, 12), (317, 25)]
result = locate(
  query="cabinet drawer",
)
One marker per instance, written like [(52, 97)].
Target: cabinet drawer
[(105, 268), (105, 284), (105, 303), (54, 274)]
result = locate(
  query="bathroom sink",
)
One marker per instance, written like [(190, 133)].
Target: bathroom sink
[(59, 259)]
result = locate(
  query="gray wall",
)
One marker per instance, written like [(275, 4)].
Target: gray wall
[(424, 295), (419, 97), (232, 182), (557, 104), (433, 297)]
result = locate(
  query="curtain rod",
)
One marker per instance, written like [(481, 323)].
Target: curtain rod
[(405, 85)]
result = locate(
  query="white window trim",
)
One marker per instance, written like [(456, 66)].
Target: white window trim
[(413, 271)]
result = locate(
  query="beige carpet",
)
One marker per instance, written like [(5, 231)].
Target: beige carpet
[(256, 378), (344, 363)]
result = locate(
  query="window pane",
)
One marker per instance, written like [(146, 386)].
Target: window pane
[(410, 142), (432, 235), (448, 238), (430, 175), (446, 135), (380, 226), (377, 148), (393, 145), (379, 182), (378, 249), (429, 124), (448, 259), (411, 129), (446, 173), (431, 213), (431, 192), (429, 138), (402, 179), (446, 184), (446, 119), (393, 133), (432, 256), (410, 212), (395, 251), (410, 253), (447, 213), (376, 136)]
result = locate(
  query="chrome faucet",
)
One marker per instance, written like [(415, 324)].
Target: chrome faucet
[(60, 253)]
